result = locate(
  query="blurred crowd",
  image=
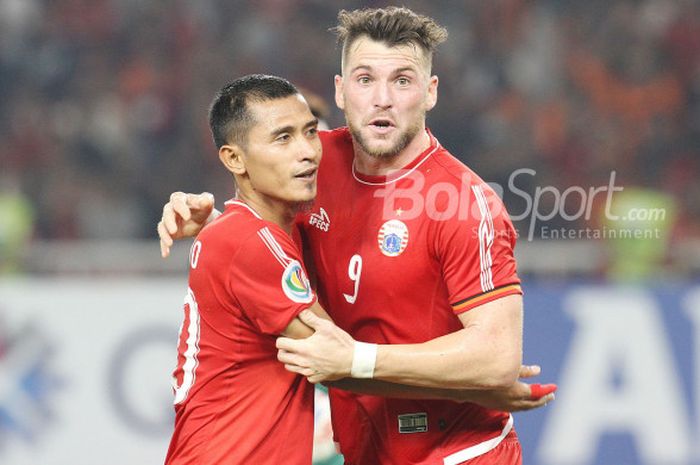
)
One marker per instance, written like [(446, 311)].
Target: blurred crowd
[(104, 102)]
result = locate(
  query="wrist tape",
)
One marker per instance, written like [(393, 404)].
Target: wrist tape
[(364, 358)]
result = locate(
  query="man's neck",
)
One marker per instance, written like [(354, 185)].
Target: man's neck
[(373, 166), (274, 211)]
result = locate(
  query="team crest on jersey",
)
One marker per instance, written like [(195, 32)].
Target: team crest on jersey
[(295, 284), (393, 238)]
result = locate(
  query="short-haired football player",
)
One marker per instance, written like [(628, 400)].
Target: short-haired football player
[(234, 402)]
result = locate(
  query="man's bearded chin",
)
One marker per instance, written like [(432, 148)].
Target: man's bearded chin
[(404, 139)]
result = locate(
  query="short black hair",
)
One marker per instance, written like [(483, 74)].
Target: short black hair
[(229, 116)]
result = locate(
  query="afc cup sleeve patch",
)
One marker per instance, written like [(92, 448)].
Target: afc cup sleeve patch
[(295, 284)]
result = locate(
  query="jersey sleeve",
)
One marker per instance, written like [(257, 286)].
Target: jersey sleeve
[(476, 252), (269, 282)]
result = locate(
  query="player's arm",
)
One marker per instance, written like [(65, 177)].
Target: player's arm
[(184, 216), (517, 397), (520, 396), (485, 354), (297, 329)]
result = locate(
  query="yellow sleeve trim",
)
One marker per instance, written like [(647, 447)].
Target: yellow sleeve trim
[(491, 295)]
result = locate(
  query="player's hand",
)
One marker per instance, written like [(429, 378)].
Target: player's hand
[(183, 216), (324, 356), (518, 397)]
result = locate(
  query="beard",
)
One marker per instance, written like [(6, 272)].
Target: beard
[(404, 138)]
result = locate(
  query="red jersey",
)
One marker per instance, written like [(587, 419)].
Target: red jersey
[(234, 401), (398, 259)]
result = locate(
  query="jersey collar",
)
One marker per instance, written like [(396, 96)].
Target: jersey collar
[(236, 202)]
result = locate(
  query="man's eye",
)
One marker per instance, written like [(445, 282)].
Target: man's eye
[(313, 131), (403, 81), (363, 80), (283, 138)]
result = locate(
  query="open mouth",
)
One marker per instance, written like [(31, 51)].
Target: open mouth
[(381, 123)]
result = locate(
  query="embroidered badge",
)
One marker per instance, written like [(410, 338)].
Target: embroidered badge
[(295, 284), (393, 238)]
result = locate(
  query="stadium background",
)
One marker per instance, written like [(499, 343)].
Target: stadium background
[(103, 114)]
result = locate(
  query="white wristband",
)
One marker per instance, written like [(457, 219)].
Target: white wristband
[(364, 358)]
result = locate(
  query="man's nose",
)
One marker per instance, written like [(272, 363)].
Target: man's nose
[(383, 96), (309, 150)]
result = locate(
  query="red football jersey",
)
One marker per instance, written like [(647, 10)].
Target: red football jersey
[(398, 258), (234, 402)]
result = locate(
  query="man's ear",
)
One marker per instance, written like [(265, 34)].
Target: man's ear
[(232, 158), (339, 98), (431, 99)]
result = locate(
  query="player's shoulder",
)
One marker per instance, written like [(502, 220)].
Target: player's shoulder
[(448, 168), (336, 139), (337, 134), (452, 169), (232, 228)]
